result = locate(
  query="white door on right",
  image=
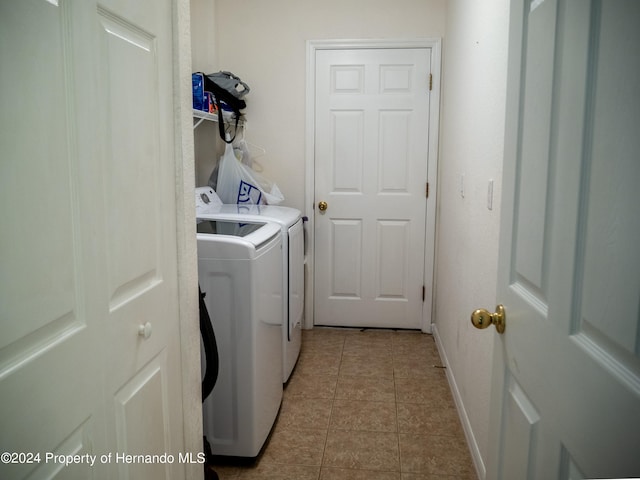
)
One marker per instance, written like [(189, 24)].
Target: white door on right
[(567, 370)]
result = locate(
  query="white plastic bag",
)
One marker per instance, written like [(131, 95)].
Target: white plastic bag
[(239, 184)]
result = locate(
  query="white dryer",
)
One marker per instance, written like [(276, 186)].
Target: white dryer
[(290, 221), (237, 266)]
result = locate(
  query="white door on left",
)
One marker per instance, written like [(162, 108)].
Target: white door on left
[(88, 239)]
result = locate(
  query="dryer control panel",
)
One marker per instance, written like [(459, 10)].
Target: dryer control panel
[(207, 200)]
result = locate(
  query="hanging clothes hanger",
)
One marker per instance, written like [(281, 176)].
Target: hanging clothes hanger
[(255, 151)]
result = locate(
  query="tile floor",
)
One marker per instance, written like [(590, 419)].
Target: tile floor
[(363, 405)]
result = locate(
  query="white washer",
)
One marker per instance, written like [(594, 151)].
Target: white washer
[(290, 221), (237, 266)]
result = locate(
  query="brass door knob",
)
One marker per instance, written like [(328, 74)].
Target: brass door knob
[(482, 318), (322, 206)]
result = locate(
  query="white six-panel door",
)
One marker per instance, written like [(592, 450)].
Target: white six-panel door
[(566, 399), (88, 238), (371, 152)]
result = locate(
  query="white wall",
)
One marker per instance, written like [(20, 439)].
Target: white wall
[(472, 131), (204, 59), (264, 42)]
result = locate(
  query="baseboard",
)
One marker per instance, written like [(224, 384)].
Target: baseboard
[(481, 470)]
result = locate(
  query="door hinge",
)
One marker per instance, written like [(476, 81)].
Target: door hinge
[(424, 292), (430, 81), (426, 192)]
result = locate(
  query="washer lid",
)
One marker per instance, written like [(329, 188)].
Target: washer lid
[(253, 234), (285, 216), (228, 227)]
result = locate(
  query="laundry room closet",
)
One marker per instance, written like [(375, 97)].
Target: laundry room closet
[(266, 44)]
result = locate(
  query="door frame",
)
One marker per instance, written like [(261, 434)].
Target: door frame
[(187, 255), (435, 44)]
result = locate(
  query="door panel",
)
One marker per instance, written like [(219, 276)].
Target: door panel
[(534, 162), (609, 305), (346, 267), (393, 259), (347, 161), (521, 425), (395, 159), (139, 213), (130, 53), (89, 237), (142, 420), (569, 273), (33, 262), (372, 115), (45, 321)]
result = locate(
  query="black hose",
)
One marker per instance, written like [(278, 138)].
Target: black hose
[(210, 349)]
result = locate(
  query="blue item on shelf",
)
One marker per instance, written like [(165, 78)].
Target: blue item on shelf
[(197, 84)]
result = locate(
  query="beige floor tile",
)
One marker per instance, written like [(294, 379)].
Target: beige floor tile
[(418, 476), (413, 366), (375, 389), (412, 337), (334, 349), (311, 386), (364, 416), (432, 390), (363, 405), (295, 447), (367, 366), (435, 455), (324, 342), (366, 349), (305, 413), (424, 351), (330, 345), (362, 450), (273, 471), (416, 344), (318, 364), (324, 334), (369, 332), (367, 344), (345, 474), (427, 419)]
